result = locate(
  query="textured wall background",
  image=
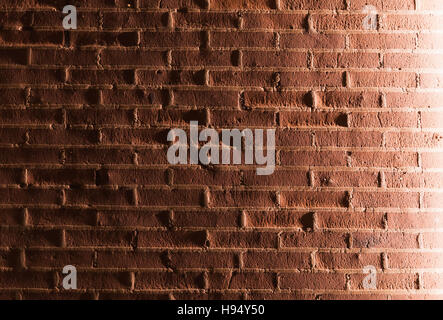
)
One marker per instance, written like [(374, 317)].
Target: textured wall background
[(84, 178)]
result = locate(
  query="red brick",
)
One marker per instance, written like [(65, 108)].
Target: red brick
[(204, 58), (129, 217), (101, 77), (22, 237), (11, 56), (134, 97), (349, 99), (99, 197), (388, 240), (242, 199), (432, 280), (388, 281), (403, 260), (173, 77), (274, 98), (37, 258), (248, 239), (412, 60), (103, 280), (206, 218), (242, 280), (274, 59), (243, 79), (346, 60), (243, 4), (205, 177), (31, 37), (273, 21), (382, 41), (233, 118), (417, 22), (432, 160), (98, 238), (278, 178), (68, 96), (170, 116), (384, 119), (111, 136), (314, 239), (358, 139), (64, 57), (276, 260), (313, 158), (29, 155), (99, 117), (203, 259), (125, 259), (313, 119), (11, 217), (318, 281), (61, 136), (344, 261), (12, 96), (215, 98), (384, 159), (166, 39), (103, 38), (61, 217), (132, 57), (280, 218), (244, 39), (32, 76), (383, 79), (347, 220), (323, 22), (385, 200), (176, 197), (171, 239), (308, 40), (346, 179), (311, 79), (27, 279), (384, 5), (98, 156), (61, 176), (433, 200), (414, 139), (205, 20), (312, 4), (29, 196), (168, 280), (134, 20)]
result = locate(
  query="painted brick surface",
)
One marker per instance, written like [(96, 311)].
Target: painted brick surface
[(84, 178)]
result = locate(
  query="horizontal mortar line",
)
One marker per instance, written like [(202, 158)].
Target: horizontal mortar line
[(390, 210), (294, 188), (317, 169), (145, 251), (380, 230), (283, 148), (62, 86), (201, 209), (374, 250), (359, 149), (135, 269), (332, 12)]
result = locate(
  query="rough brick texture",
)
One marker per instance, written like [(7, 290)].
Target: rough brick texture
[(84, 179)]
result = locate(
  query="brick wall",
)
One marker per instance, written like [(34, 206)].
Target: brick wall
[(84, 178)]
